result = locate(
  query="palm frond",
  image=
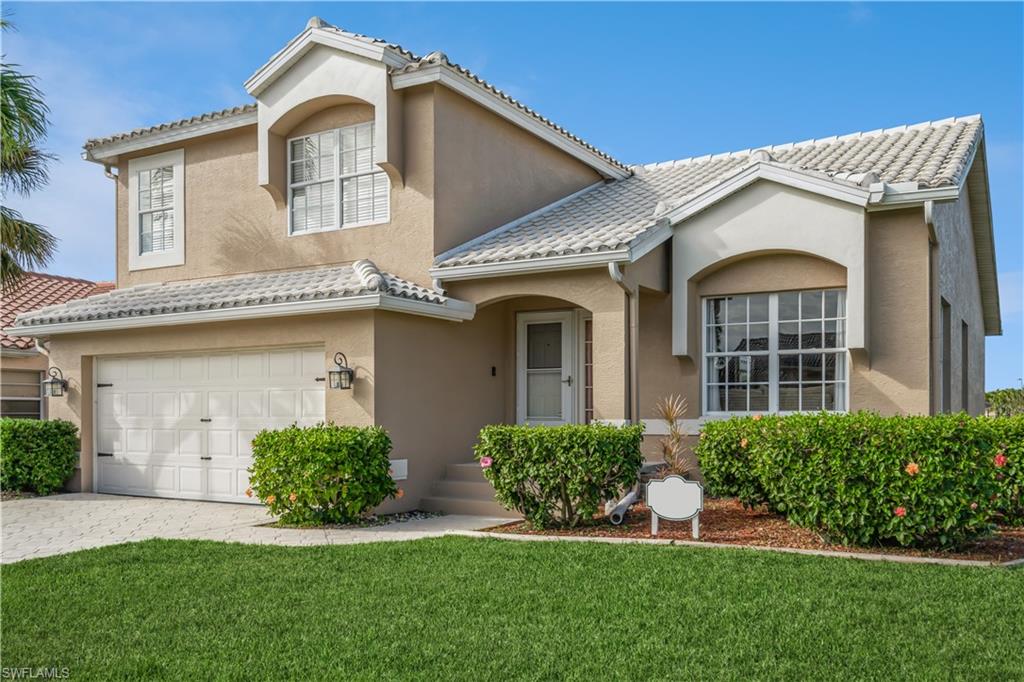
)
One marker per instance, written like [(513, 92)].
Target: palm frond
[(24, 169), (23, 113), (24, 246)]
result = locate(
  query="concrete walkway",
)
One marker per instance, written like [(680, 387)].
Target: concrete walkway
[(44, 526)]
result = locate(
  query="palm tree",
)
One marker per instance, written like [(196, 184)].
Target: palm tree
[(24, 245)]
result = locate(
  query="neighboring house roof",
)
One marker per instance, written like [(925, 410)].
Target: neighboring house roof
[(612, 216), (407, 70), (345, 287), (37, 290)]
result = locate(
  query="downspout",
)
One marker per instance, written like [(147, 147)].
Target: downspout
[(108, 173), (632, 318)]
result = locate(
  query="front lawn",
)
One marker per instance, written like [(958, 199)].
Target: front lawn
[(490, 609)]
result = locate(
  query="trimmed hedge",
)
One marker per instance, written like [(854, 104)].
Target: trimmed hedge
[(37, 456), (1005, 402), (559, 475), (862, 479), (322, 474)]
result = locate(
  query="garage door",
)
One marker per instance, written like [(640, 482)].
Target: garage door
[(181, 425)]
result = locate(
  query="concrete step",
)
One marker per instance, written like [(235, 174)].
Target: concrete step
[(464, 471), (472, 490), (459, 505)]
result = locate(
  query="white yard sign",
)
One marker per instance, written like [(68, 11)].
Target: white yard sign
[(675, 499)]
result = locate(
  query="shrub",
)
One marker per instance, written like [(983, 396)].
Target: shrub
[(1009, 441), (862, 479), (1005, 402), (322, 474), (561, 474), (37, 456)]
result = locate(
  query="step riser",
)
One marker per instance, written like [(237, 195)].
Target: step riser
[(450, 505), (464, 489)]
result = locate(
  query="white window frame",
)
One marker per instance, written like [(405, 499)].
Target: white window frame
[(773, 355), (338, 179), (175, 255)]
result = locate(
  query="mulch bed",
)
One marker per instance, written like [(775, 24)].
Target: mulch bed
[(367, 522), (15, 495), (726, 521)]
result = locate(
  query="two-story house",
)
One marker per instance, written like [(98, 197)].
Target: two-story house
[(475, 263)]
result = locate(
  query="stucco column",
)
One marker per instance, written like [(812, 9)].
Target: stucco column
[(611, 364), (76, 406)]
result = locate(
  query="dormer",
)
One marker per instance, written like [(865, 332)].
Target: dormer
[(321, 68)]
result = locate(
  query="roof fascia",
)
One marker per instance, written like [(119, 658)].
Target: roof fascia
[(108, 153), (304, 42), (453, 309), (453, 80)]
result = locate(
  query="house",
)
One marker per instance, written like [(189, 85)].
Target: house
[(23, 364), (473, 262)]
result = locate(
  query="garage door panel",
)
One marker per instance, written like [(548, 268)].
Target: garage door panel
[(220, 404), (251, 366), (137, 404), (190, 480), (312, 404), (165, 404), (191, 404), (182, 425), (283, 404), (221, 368), (192, 368), (190, 442), (219, 442), (136, 441), (250, 403), (165, 442)]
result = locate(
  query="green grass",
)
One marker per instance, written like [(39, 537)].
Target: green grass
[(490, 609)]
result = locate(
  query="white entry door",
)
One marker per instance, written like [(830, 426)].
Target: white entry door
[(182, 425), (546, 362)]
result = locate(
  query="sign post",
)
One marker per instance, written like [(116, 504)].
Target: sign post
[(675, 499)]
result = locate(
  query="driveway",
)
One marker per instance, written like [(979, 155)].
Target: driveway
[(44, 526)]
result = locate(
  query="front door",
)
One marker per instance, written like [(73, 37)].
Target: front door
[(545, 368)]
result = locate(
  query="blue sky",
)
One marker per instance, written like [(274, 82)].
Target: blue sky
[(643, 82)]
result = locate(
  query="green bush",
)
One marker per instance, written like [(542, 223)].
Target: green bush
[(322, 474), (559, 474), (1005, 402), (37, 456), (862, 479)]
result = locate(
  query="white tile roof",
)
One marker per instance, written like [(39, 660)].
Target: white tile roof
[(360, 278), (611, 215), (231, 112)]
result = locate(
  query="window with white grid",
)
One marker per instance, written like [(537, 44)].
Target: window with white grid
[(779, 352), (156, 209), (333, 181)]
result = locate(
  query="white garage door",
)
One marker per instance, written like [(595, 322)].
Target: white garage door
[(181, 425)]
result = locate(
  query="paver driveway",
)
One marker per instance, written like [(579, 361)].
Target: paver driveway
[(43, 526)]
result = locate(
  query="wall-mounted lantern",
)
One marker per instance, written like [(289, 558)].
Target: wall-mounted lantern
[(55, 386), (342, 375)]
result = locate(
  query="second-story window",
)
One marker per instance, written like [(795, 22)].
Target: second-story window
[(156, 210), (333, 182)]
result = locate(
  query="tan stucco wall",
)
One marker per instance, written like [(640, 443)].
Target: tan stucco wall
[(590, 289), (435, 390), (36, 361), (490, 171), (894, 378), (233, 226), (351, 333), (956, 280)]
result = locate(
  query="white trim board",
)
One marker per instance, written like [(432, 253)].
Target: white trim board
[(453, 309)]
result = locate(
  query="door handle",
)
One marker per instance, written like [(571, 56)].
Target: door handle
[(206, 458), (567, 381), (205, 419), (104, 454)]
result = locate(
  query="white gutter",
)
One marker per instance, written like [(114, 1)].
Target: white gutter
[(452, 309), (632, 316)]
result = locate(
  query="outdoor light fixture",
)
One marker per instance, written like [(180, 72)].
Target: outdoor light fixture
[(342, 375), (55, 386)]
